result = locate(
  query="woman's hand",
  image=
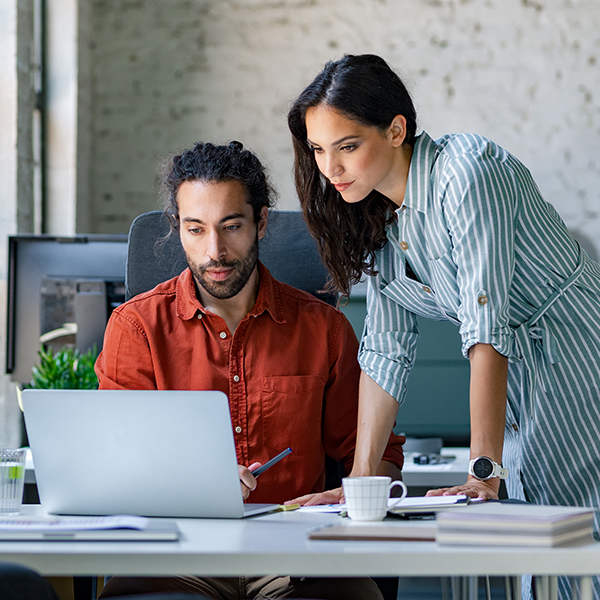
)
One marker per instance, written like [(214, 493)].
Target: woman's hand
[(335, 496), (474, 488), (247, 480)]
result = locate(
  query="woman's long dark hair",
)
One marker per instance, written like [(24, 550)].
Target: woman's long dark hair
[(365, 89)]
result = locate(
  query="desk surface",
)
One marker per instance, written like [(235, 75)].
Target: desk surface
[(444, 475), (278, 543)]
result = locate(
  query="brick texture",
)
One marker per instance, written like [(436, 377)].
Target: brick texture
[(165, 74)]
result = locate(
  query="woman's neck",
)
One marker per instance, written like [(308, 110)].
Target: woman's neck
[(396, 189)]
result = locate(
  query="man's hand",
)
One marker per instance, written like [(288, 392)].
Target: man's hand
[(335, 496), (247, 480), (474, 488)]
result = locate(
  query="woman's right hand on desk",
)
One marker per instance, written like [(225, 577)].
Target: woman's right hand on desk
[(474, 488), (247, 480)]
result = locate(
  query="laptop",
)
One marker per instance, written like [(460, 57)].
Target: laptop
[(150, 453)]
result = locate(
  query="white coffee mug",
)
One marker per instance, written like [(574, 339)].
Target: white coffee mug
[(367, 497)]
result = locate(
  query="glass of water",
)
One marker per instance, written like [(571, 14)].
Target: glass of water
[(12, 479)]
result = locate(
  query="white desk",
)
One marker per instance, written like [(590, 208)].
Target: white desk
[(444, 475), (278, 543)]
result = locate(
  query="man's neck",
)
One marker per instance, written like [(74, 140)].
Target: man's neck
[(232, 310)]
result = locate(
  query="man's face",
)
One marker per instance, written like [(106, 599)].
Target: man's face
[(219, 235)]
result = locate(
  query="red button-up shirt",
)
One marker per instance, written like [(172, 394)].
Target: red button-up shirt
[(290, 371)]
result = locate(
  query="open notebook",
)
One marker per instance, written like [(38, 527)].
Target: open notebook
[(152, 453)]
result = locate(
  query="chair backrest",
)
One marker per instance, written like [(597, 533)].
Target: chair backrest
[(287, 250)]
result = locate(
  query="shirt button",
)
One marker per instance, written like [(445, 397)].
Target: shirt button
[(236, 378), (199, 315), (238, 429), (403, 208), (482, 300), (427, 289), (404, 245), (223, 335), (515, 427)]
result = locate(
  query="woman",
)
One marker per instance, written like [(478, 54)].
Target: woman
[(455, 229)]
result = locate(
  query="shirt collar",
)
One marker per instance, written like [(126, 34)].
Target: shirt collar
[(187, 303), (425, 153), (268, 297)]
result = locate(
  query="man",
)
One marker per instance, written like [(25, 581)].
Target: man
[(286, 360)]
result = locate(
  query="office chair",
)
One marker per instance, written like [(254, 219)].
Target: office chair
[(174, 596), (287, 250), (21, 583)]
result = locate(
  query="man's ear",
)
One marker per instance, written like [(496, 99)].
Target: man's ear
[(262, 222), (397, 130)]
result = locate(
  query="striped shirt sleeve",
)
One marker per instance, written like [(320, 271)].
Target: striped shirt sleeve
[(389, 340), (479, 205)]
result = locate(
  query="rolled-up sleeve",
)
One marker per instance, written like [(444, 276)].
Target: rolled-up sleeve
[(388, 345), (479, 202)]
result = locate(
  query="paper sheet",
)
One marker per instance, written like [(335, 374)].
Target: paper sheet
[(425, 501), (323, 508)]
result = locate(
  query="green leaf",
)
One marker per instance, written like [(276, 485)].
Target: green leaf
[(65, 369)]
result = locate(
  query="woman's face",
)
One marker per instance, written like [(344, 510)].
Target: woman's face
[(355, 158)]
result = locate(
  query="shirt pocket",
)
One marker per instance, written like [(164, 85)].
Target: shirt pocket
[(412, 296), (292, 407)]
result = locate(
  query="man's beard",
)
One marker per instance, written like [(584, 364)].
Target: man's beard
[(233, 285)]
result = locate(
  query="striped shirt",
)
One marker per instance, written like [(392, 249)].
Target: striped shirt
[(486, 251)]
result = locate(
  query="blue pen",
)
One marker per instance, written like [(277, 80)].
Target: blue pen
[(271, 462)]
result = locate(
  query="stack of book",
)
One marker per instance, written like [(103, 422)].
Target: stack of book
[(506, 524)]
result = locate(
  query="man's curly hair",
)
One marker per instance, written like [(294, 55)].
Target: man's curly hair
[(210, 163)]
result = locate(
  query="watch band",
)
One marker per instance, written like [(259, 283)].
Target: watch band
[(484, 468)]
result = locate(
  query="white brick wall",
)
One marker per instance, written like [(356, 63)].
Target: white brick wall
[(167, 73)]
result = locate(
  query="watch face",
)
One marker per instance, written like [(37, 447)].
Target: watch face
[(483, 468)]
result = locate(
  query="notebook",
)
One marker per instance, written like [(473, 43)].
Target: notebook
[(421, 531), (151, 453), (87, 529)]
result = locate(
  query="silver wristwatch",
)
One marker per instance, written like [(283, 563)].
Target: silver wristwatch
[(484, 468)]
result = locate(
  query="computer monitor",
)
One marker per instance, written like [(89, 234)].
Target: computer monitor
[(60, 289)]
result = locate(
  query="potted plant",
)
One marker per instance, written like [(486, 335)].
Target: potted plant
[(65, 369)]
